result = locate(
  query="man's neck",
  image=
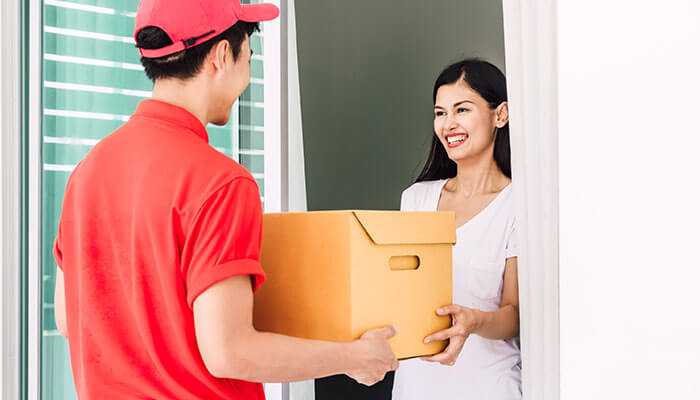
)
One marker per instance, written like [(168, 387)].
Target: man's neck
[(190, 95)]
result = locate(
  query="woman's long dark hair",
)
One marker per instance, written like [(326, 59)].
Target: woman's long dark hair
[(487, 80)]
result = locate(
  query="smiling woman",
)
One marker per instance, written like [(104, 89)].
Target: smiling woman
[(468, 172), (463, 91), (367, 70)]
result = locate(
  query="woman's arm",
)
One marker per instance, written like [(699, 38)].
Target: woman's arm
[(503, 323)]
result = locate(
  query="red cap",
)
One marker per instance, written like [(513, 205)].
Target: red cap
[(192, 22)]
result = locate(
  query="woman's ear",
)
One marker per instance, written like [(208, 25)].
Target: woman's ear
[(502, 115)]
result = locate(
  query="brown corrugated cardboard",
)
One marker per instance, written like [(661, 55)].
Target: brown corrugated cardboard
[(334, 275)]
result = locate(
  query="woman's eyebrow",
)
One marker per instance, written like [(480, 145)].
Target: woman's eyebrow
[(462, 102)]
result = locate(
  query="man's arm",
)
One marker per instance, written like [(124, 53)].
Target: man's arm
[(59, 301), (232, 348)]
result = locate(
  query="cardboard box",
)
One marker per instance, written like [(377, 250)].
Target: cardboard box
[(334, 275)]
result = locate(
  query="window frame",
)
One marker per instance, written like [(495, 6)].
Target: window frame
[(11, 158), (34, 69), (276, 112)]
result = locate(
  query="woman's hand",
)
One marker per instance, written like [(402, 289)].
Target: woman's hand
[(464, 322)]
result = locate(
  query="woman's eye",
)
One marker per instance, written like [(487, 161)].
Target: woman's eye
[(462, 110), (439, 114)]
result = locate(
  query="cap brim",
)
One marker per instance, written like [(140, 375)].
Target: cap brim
[(258, 12)]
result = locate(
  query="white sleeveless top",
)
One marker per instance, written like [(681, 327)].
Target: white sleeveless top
[(486, 369)]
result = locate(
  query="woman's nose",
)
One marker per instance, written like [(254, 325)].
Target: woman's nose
[(450, 123)]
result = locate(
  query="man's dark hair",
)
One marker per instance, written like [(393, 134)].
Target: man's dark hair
[(187, 63)]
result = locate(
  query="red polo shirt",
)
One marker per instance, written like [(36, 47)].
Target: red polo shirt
[(152, 217)]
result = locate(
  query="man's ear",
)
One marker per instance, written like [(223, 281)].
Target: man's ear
[(219, 55)]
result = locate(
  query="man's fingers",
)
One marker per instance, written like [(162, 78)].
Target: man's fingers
[(386, 332)]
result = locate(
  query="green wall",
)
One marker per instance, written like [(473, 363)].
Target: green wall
[(366, 71)]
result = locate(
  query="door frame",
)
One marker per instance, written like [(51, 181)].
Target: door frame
[(530, 33)]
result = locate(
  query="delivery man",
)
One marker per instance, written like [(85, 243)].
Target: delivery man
[(158, 245)]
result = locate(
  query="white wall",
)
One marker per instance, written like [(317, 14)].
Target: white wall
[(629, 202)]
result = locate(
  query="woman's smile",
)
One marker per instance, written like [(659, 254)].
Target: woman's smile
[(456, 139)]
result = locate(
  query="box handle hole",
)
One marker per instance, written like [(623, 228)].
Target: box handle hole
[(404, 263)]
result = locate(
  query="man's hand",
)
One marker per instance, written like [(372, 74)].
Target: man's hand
[(374, 356)]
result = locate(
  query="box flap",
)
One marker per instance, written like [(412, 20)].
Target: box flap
[(394, 227)]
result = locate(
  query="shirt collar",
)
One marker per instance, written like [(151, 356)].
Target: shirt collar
[(173, 114)]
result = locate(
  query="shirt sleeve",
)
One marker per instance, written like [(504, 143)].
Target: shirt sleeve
[(407, 200), (512, 241), (224, 239)]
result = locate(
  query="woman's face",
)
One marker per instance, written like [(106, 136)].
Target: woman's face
[(464, 122)]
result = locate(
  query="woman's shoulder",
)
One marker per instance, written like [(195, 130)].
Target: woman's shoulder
[(507, 204), (420, 188), (415, 196)]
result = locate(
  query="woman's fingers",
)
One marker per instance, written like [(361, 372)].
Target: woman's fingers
[(457, 335), (449, 309), (456, 330), (451, 353)]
